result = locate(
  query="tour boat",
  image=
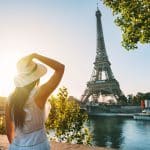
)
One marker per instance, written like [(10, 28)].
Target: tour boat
[(145, 115)]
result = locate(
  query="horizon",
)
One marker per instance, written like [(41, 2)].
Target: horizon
[(66, 31)]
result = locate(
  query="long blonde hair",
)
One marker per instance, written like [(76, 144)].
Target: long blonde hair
[(17, 102)]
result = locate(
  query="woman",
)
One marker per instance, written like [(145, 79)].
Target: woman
[(25, 108)]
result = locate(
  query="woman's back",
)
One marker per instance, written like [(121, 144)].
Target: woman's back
[(33, 131), (34, 119)]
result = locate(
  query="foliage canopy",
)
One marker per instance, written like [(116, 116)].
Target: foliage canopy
[(67, 120), (133, 17)]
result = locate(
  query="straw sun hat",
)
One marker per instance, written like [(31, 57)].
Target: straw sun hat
[(28, 71)]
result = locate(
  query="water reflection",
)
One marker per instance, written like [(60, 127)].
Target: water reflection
[(120, 133), (107, 131)]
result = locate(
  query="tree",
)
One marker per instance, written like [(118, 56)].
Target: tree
[(122, 100), (67, 120), (133, 17), (136, 100), (2, 125)]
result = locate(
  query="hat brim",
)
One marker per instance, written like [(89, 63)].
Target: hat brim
[(22, 80)]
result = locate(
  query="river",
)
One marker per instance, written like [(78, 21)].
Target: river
[(120, 133)]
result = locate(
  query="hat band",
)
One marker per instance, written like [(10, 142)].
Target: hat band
[(34, 68)]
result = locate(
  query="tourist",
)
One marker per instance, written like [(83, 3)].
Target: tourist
[(25, 109)]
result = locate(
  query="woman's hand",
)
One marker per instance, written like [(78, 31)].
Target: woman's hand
[(27, 59), (33, 55)]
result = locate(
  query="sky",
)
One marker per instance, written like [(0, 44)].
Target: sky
[(65, 30)]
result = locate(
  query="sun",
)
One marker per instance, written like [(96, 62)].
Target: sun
[(7, 73)]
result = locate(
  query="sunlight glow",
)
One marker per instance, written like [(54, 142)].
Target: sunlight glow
[(8, 70)]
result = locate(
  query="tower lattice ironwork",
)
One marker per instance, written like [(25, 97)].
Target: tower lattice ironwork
[(102, 81)]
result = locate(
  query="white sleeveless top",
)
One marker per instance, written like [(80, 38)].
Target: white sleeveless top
[(33, 131)]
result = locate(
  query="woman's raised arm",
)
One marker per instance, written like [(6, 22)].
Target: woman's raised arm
[(47, 88)]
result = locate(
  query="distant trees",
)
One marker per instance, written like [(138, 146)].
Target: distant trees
[(122, 100), (136, 100), (2, 125), (133, 99), (133, 17), (2, 116)]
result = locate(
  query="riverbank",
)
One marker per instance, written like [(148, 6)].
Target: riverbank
[(112, 114), (114, 109), (54, 145)]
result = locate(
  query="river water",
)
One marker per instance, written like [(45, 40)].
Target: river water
[(120, 133)]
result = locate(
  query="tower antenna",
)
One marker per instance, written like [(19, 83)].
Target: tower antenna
[(97, 4)]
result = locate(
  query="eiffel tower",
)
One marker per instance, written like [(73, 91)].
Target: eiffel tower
[(102, 82)]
